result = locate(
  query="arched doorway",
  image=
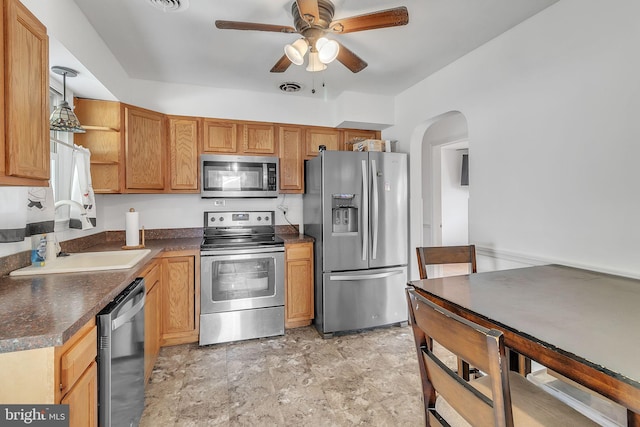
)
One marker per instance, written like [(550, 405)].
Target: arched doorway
[(434, 143)]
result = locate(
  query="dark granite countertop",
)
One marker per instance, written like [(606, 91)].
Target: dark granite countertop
[(46, 310), (295, 238)]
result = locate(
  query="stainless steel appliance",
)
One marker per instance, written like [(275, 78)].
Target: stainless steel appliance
[(121, 358), (238, 176), (241, 276), (355, 206)]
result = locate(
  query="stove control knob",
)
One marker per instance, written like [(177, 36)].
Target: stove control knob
[(266, 218), (213, 219), (259, 218), (221, 218)]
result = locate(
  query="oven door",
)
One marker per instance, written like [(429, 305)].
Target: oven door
[(241, 279)]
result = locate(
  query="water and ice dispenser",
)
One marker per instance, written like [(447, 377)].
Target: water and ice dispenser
[(344, 214)]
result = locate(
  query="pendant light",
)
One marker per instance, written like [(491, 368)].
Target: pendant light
[(63, 119)]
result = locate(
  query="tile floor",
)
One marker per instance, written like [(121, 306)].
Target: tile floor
[(299, 379)]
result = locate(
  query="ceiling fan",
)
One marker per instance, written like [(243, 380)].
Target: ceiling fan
[(313, 19)]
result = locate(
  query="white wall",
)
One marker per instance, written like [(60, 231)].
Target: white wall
[(552, 108), (455, 199), (185, 210)]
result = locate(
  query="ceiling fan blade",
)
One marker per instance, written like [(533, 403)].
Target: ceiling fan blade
[(282, 65), (350, 60), (309, 10), (236, 25), (371, 21)]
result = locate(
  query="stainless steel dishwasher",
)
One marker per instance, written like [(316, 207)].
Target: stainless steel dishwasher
[(121, 358)]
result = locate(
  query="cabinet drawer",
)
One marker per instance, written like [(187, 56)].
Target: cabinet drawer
[(77, 357), (299, 251)]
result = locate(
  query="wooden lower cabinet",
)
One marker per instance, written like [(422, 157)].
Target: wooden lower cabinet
[(83, 399), (66, 374), (180, 297), (299, 307), (152, 280)]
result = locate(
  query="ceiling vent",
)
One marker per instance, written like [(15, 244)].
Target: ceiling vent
[(290, 87), (170, 5)]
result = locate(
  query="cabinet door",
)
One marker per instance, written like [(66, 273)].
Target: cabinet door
[(178, 306), (184, 134), (316, 137), (144, 150), (152, 319), (299, 308), (258, 138), (83, 399), (291, 154), (349, 135), (220, 136), (25, 157)]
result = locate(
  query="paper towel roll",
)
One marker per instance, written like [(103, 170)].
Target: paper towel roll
[(131, 228)]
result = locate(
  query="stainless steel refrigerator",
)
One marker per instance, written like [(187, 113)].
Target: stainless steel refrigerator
[(355, 206)]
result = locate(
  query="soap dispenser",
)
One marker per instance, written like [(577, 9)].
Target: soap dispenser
[(53, 248)]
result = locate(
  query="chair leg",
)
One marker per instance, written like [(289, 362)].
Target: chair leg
[(463, 369)]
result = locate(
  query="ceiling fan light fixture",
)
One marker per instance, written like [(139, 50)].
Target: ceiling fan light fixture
[(327, 50), (314, 63), (296, 50)]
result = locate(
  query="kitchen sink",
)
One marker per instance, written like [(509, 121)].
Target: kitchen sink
[(87, 261)]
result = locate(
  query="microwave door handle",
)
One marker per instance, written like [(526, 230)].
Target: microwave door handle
[(364, 210), (265, 176)]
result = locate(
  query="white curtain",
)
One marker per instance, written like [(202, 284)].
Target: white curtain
[(25, 211), (82, 189)]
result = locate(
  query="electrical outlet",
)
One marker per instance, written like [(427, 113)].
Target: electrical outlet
[(218, 202), (284, 209)]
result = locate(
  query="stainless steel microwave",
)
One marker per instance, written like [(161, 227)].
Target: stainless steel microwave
[(238, 176)]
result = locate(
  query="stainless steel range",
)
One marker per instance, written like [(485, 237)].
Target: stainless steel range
[(242, 277)]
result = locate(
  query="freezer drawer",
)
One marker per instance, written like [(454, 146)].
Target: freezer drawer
[(363, 299)]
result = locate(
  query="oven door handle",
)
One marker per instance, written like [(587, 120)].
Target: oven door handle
[(236, 251), (129, 314)]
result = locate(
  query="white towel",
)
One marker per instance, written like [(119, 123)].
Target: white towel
[(81, 188), (13, 214), (40, 210)]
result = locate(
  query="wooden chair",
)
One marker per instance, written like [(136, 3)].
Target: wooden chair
[(438, 255), (501, 398)]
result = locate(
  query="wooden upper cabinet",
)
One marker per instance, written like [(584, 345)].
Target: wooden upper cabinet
[(220, 136), (184, 143), (317, 136), (144, 150), (349, 135), (291, 153), (258, 138), (237, 137), (24, 156), (102, 121)]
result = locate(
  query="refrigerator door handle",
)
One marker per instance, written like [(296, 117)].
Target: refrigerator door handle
[(365, 210), (365, 276), (374, 209)]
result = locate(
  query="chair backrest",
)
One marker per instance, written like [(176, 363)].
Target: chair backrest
[(433, 255), (480, 346)]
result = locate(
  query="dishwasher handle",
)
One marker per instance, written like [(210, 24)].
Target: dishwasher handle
[(129, 314)]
